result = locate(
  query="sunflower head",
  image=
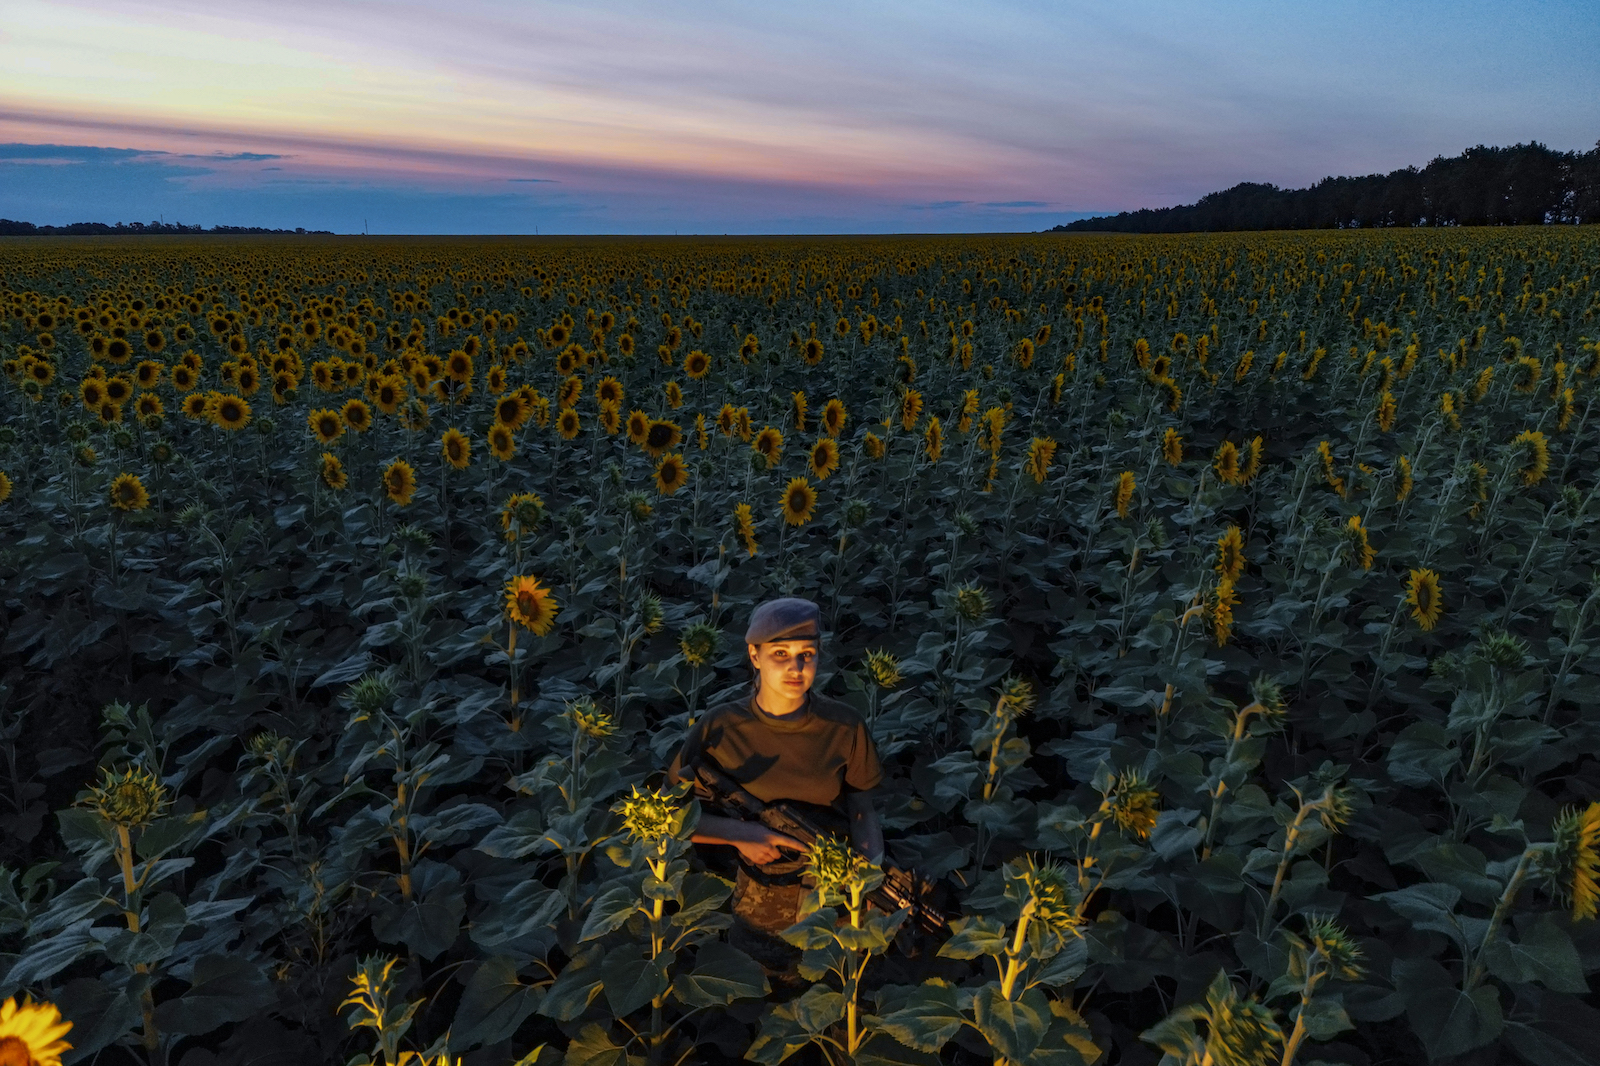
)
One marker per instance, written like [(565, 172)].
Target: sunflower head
[(884, 669), (132, 799), (651, 817), (1336, 948), (824, 457), (661, 435), (1135, 806), (1230, 554), (586, 717), (1047, 895), (1573, 864), (672, 474), (31, 1034), (699, 643), (799, 498), (456, 448), (530, 605), (332, 472), (971, 603), (399, 482), (838, 869), (128, 494), (523, 512), (1424, 597)]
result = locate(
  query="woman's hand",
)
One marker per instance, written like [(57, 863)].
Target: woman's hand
[(768, 848)]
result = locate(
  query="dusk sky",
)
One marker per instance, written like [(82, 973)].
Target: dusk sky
[(706, 117)]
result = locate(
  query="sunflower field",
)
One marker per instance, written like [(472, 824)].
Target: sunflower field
[(1225, 609)]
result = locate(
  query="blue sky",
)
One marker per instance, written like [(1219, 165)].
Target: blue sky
[(697, 117)]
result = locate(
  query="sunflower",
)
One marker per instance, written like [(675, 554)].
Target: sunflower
[(148, 404), (873, 446), (834, 417), (910, 408), (660, 436), (608, 390), (799, 406), (674, 395), (1325, 454), (184, 377), (1172, 447), (522, 513), (1403, 479), (1362, 552), (798, 500), (1252, 462), (697, 364), (31, 1033), (1535, 454), (1576, 860), (1041, 452), (1565, 408), (357, 415), (672, 474), (727, 420), (569, 424), (611, 418), (232, 413), (1528, 372), (842, 327), (502, 444), (824, 458), (933, 440), (326, 424), (742, 424), (458, 367), (332, 472), (195, 405), (1221, 611), (92, 392), (1122, 495), (571, 392), (399, 481), (745, 525), (1384, 414), (530, 605), (128, 494), (1424, 598), (118, 350), (148, 374), (811, 352), (1226, 463), (110, 412), (769, 445), (625, 345), (456, 448), (638, 427), (1230, 554)]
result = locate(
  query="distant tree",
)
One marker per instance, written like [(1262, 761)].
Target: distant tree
[(1525, 184)]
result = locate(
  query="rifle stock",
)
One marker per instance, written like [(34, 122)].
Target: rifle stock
[(901, 888)]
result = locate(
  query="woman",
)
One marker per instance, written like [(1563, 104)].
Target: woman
[(781, 741)]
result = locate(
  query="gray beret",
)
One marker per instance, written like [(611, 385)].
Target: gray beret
[(790, 618)]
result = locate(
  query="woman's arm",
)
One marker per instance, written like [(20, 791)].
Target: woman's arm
[(865, 832), (758, 844)]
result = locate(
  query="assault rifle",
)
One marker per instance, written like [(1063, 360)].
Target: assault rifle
[(806, 822)]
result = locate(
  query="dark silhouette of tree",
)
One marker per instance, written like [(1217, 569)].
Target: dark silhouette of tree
[(1525, 184)]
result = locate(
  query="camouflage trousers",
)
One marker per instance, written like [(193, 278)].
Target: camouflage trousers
[(760, 913)]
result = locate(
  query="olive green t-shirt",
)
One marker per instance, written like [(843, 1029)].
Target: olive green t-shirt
[(813, 755)]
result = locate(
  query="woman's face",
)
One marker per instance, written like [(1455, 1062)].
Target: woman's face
[(786, 667)]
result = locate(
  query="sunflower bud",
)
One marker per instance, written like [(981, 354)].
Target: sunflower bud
[(1134, 805), (1574, 864), (835, 865), (131, 799), (884, 669), (370, 695), (587, 718), (1335, 945), (1016, 699), (650, 613), (972, 603), (650, 816), (1046, 893), (1502, 650), (698, 643)]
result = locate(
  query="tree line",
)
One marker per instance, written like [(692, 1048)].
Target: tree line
[(1525, 184), (12, 228)]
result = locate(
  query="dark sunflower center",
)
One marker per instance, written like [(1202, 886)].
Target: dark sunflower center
[(14, 1052)]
